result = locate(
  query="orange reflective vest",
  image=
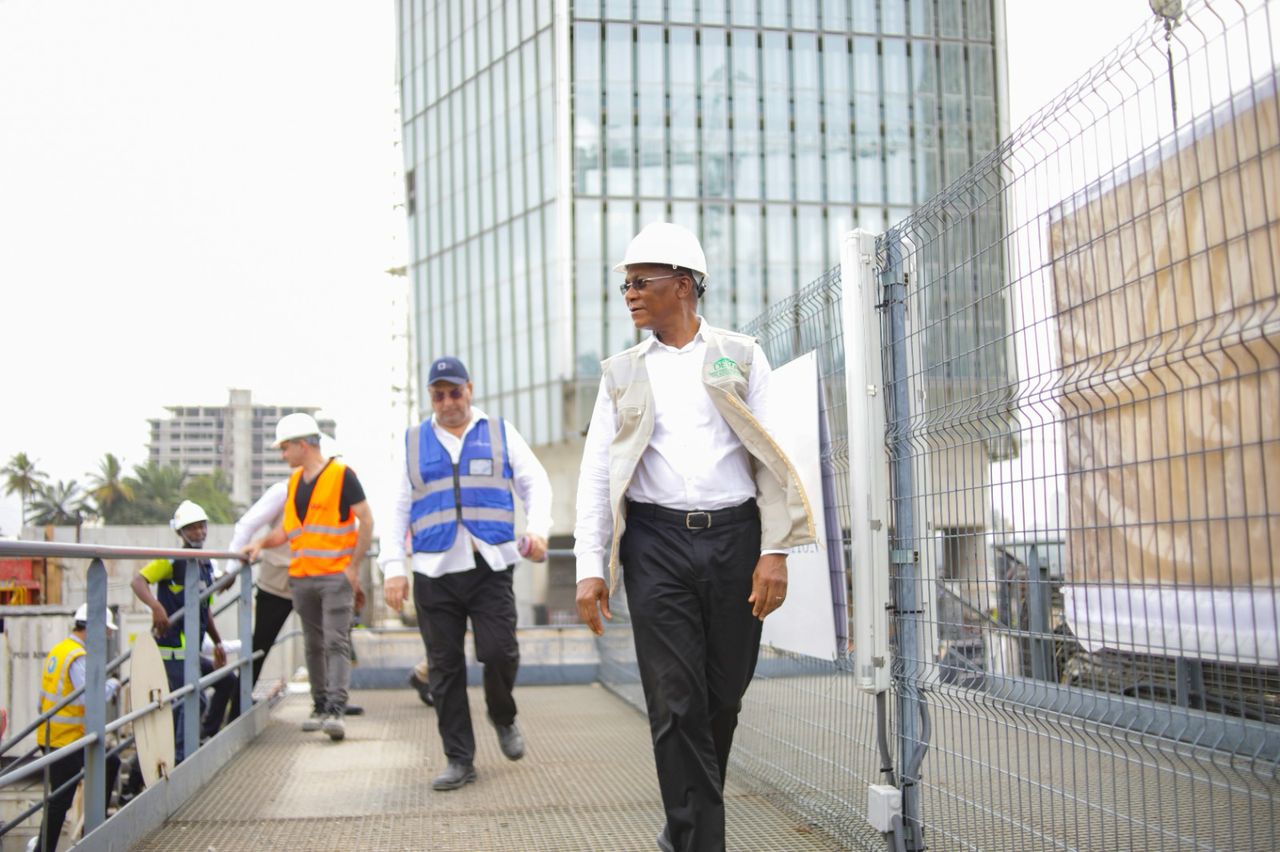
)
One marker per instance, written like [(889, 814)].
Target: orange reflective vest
[(67, 725), (322, 543)]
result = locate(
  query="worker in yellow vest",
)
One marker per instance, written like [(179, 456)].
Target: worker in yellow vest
[(64, 673)]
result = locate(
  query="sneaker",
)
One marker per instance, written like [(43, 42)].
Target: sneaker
[(455, 775), (334, 727), (511, 741), (315, 721)]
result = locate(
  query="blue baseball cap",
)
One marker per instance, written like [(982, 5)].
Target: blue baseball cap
[(448, 369)]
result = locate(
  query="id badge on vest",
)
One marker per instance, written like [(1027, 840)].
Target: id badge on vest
[(480, 467)]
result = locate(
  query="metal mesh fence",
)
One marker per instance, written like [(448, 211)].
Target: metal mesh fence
[(1082, 390), (1085, 464)]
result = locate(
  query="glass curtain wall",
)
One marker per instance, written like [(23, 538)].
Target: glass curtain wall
[(769, 128)]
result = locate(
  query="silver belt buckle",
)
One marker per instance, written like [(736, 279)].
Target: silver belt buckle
[(688, 521)]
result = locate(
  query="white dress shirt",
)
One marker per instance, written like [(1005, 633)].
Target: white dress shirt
[(530, 483), (694, 461), (273, 572)]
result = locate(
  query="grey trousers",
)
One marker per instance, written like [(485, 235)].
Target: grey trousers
[(324, 605)]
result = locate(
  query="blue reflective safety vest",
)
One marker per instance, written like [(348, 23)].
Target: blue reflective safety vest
[(475, 492)]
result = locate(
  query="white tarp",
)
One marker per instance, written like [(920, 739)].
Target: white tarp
[(805, 624), (1230, 625)]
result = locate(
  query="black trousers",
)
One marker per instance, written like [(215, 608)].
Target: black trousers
[(270, 613), (60, 772), (696, 647), (444, 604)]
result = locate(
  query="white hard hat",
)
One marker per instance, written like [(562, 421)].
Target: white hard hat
[(666, 243), (82, 616), (296, 425), (186, 514), (329, 446)]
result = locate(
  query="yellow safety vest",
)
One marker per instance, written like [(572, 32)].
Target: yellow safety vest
[(67, 725)]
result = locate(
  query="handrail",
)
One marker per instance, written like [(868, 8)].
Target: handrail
[(67, 550)]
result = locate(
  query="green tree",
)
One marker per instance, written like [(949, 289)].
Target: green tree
[(110, 489), (213, 492), (157, 490), (21, 477), (62, 504)]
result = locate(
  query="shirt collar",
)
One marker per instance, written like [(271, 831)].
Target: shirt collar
[(653, 342)]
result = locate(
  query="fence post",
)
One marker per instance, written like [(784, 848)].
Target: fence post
[(95, 705), (191, 657), (905, 553), (246, 637)]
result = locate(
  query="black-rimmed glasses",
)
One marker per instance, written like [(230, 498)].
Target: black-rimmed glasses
[(640, 283)]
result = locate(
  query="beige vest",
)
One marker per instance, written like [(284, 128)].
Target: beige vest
[(785, 518), (273, 569)]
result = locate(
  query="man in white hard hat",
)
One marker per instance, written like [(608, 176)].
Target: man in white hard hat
[(191, 523), (64, 673), (328, 525), (272, 601), (683, 488), (460, 471)]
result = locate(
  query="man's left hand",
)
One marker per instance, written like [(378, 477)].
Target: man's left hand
[(219, 656), (768, 584), (537, 548)]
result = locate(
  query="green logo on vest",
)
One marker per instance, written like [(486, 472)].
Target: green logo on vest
[(725, 368)]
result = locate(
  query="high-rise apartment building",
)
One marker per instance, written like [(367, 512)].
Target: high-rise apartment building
[(235, 438), (540, 135)]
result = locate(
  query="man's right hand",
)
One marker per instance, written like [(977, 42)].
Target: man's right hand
[(159, 619), (394, 591), (593, 599), (251, 552)]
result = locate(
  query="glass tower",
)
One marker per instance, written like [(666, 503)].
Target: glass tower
[(540, 135)]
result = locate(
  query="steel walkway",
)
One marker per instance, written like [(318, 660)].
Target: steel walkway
[(586, 783)]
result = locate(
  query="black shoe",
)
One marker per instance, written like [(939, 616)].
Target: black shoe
[(424, 689), (455, 775), (353, 710), (511, 741), (664, 840)]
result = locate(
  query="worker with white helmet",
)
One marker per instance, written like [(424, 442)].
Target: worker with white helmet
[(328, 525), (683, 488), (191, 523), (63, 674), (272, 601)]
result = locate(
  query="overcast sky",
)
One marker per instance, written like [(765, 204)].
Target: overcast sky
[(199, 196)]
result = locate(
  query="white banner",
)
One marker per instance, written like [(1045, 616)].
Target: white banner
[(805, 624)]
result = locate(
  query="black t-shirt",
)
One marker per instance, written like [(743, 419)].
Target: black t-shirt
[(352, 493)]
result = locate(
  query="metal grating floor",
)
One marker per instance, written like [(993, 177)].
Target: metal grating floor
[(586, 783)]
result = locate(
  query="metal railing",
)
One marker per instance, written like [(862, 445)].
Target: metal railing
[(97, 668)]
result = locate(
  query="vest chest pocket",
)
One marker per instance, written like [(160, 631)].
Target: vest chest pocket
[(480, 467), (628, 417)]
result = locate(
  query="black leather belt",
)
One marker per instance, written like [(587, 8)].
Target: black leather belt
[(696, 520)]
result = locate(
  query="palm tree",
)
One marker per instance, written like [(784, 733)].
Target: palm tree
[(23, 478), (61, 504), (109, 489), (157, 490), (213, 492)]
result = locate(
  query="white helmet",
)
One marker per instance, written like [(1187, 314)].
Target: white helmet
[(329, 446), (82, 616), (186, 514), (296, 425), (667, 243)]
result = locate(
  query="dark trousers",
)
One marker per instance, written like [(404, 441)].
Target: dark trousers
[(213, 709), (270, 613), (444, 604), (696, 648), (60, 772)]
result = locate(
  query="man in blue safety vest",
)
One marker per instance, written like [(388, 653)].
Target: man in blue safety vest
[(460, 470)]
